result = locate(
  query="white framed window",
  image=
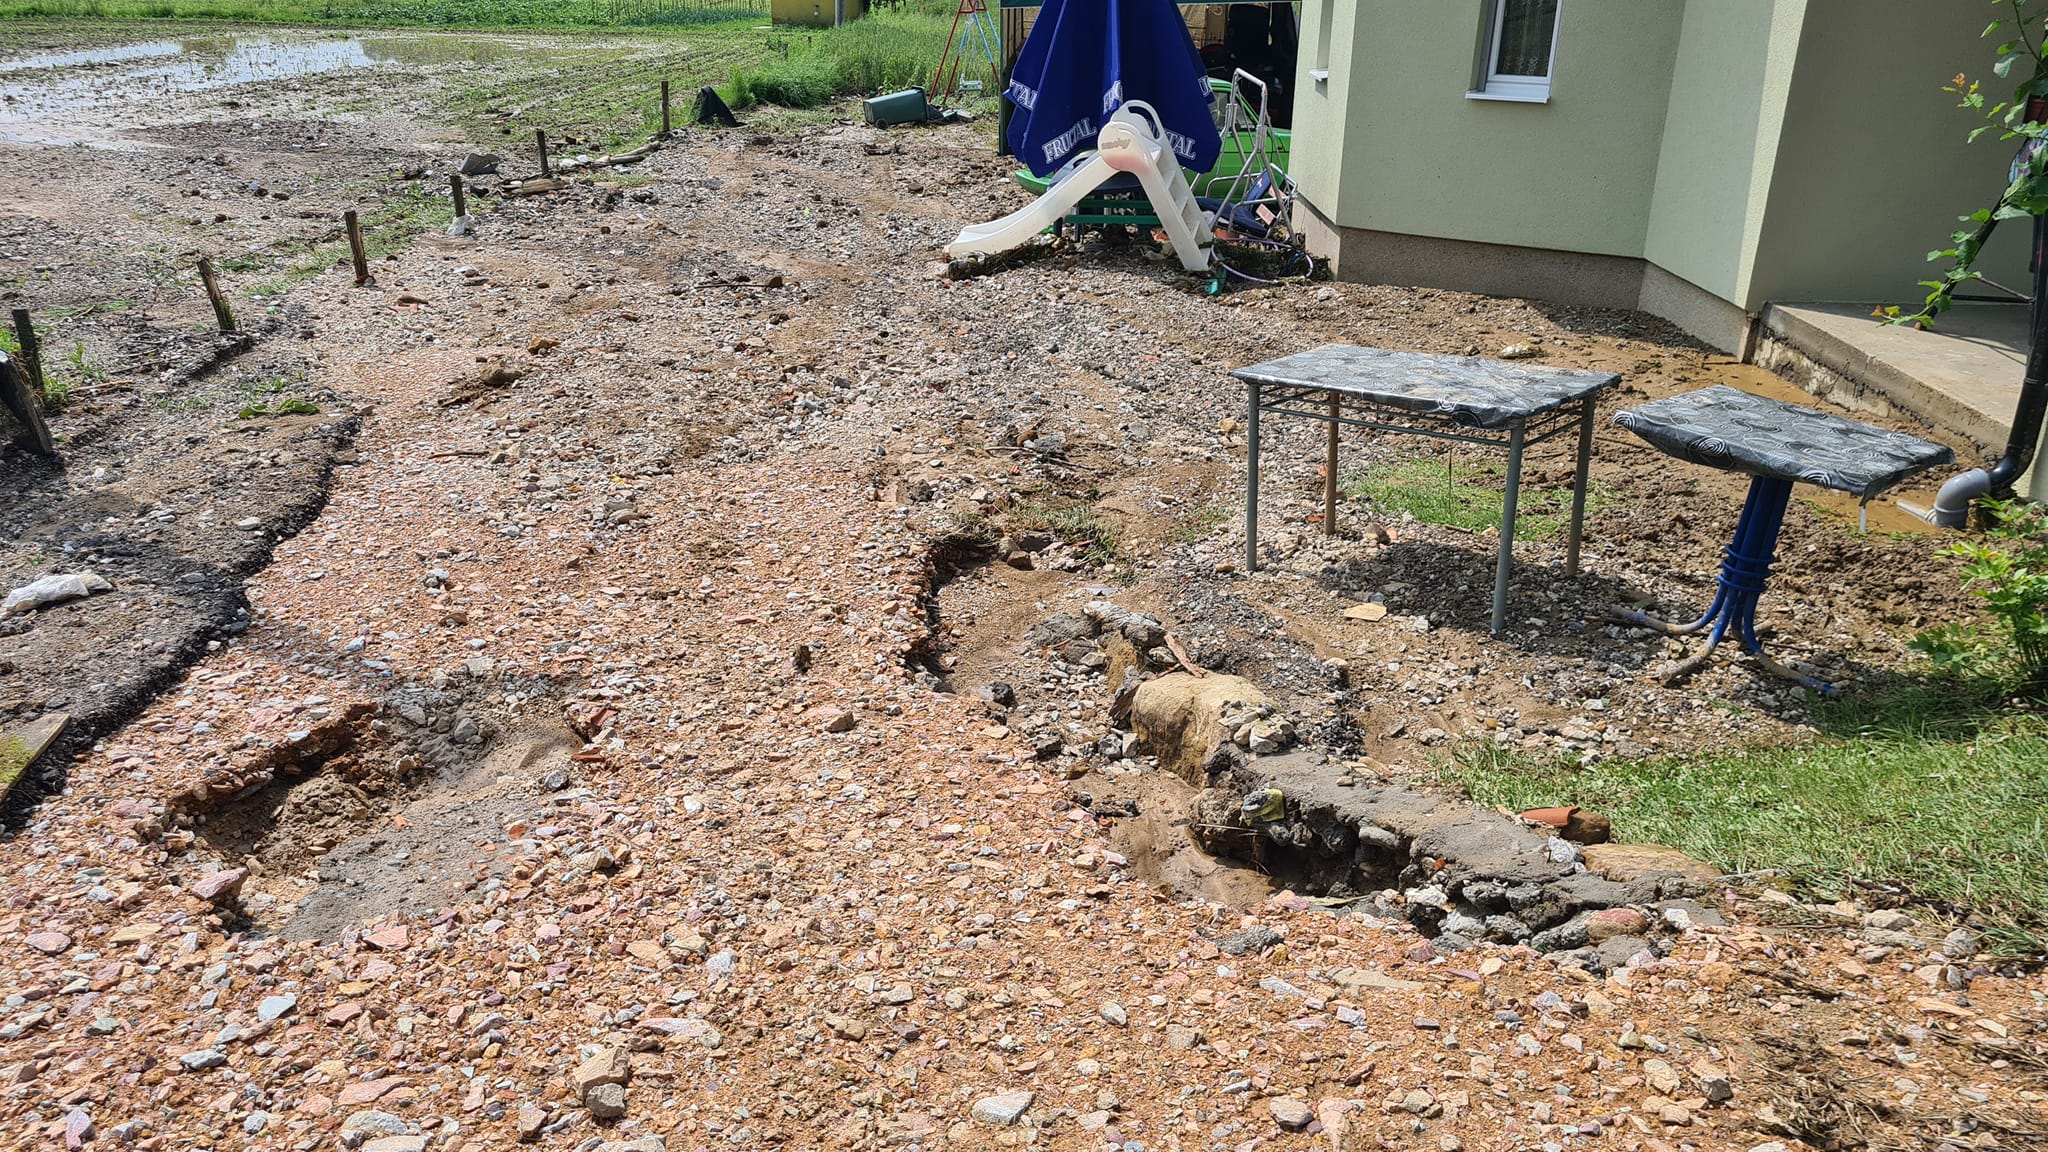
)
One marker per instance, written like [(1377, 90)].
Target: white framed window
[(1325, 27), (1519, 52)]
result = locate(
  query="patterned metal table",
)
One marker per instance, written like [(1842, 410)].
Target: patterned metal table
[(1776, 444), (1486, 402)]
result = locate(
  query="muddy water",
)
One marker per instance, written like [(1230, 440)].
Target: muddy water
[(45, 96)]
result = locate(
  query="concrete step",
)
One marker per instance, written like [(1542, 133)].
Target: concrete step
[(1963, 378)]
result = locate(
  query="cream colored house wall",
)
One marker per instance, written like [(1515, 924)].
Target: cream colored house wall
[(1407, 151), (1872, 167), (1755, 149), (1720, 140)]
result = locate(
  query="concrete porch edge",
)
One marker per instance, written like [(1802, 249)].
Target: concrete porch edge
[(1963, 379)]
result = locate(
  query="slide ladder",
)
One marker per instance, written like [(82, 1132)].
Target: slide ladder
[(1131, 142)]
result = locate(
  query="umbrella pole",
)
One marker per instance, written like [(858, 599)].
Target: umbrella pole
[(1013, 43)]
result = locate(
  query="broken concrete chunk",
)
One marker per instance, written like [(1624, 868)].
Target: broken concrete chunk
[(1628, 862)]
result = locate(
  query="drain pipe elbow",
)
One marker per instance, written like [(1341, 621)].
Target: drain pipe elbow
[(1952, 506)]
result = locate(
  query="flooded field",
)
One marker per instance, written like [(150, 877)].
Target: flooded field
[(89, 96)]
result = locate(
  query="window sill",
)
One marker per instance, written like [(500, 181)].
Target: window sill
[(1319, 75), (1526, 96)]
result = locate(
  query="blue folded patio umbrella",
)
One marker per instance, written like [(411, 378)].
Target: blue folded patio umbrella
[(1085, 58)]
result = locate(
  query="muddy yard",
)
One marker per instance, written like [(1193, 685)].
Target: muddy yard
[(673, 638)]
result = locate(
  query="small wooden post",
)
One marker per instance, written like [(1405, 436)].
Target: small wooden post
[(31, 348), (461, 199), (20, 400), (664, 109), (540, 138), (1330, 470), (221, 312), (355, 246)]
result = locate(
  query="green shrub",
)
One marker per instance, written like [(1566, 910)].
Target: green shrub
[(2008, 567), (882, 52), (802, 81)]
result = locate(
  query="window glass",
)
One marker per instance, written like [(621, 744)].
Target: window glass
[(1527, 28)]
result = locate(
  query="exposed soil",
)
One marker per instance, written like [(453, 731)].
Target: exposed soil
[(699, 465)]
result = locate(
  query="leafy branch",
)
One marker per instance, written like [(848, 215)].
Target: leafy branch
[(2027, 194)]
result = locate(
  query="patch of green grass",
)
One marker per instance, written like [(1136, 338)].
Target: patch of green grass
[(1197, 527), (83, 366), (390, 227), (56, 394), (1935, 787), (291, 407), (884, 51), (1073, 523), (1466, 494)]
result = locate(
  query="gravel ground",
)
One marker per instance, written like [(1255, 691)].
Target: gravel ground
[(584, 774)]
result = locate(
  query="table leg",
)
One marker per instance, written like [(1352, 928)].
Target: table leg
[(1251, 490), (1507, 527), (1330, 470), (1576, 532), (1745, 568)]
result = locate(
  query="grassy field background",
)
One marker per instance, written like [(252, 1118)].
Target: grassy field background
[(722, 44), (525, 14)]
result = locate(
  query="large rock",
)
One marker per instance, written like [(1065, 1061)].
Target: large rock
[(1630, 862), (1179, 718)]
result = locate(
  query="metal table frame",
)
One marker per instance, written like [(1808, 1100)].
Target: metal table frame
[(1341, 408)]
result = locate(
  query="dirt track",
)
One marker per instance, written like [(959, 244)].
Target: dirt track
[(533, 742)]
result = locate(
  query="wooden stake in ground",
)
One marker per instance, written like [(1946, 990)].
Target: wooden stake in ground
[(31, 349), (354, 229), (461, 199), (20, 401), (664, 109), (540, 139), (221, 312)]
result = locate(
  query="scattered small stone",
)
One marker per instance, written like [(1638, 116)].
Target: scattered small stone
[(220, 887), (1002, 1110), (606, 1101), (1289, 1113), (48, 943), (202, 1059), (1257, 938)]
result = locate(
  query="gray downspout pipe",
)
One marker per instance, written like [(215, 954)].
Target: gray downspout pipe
[(1952, 506)]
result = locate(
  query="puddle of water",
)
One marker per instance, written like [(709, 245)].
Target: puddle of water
[(91, 56), (195, 66), (445, 49), (57, 85)]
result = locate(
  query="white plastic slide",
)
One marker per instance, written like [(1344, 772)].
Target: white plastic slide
[(1131, 142)]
